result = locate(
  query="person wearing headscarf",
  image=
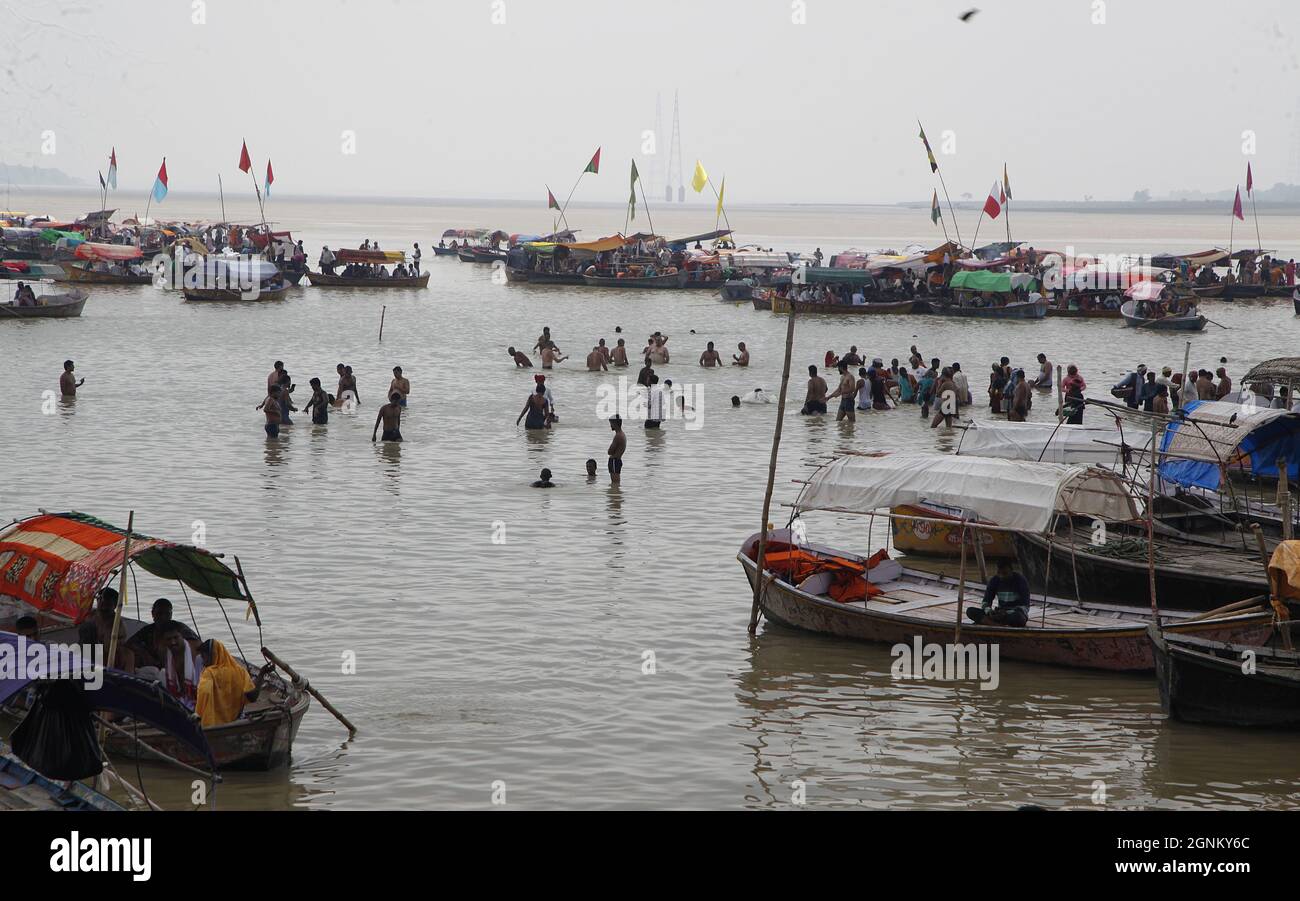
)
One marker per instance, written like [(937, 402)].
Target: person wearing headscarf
[(224, 686)]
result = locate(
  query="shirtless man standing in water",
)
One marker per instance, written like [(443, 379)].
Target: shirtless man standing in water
[(619, 356), (616, 448), (68, 383), (815, 402), (710, 357), (846, 391), (596, 360), (390, 414), (551, 355), (742, 358), (400, 385)]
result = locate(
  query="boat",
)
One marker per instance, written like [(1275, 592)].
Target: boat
[(1238, 291), (1205, 681), (112, 258), (828, 591), (736, 290), (872, 307), (983, 294), (465, 254), (1188, 320), (762, 302), (1295, 299), (57, 740), (48, 306), (234, 279), (675, 278), (23, 270), (57, 563), (551, 262), (367, 261)]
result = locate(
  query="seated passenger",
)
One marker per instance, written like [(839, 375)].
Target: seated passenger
[(224, 686), (1011, 591)]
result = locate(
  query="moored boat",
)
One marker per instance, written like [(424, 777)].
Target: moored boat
[(219, 279), (832, 592), (107, 264), (1206, 681), (983, 294), (676, 279)]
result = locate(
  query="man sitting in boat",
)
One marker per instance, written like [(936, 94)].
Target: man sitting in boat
[(24, 296), (1011, 591), (149, 645)]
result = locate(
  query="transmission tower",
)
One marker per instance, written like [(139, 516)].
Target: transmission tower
[(675, 159)]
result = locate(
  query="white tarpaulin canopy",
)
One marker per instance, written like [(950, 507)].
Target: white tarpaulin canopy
[(1012, 494), (1050, 443)]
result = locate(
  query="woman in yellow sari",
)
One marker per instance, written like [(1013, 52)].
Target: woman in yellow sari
[(224, 686)]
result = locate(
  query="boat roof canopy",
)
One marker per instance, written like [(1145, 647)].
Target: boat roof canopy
[(1011, 494), (1277, 371), (474, 233), (828, 276), (1049, 442), (707, 236), (58, 561), (380, 257), (1216, 433), (998, 282), (107, 252)]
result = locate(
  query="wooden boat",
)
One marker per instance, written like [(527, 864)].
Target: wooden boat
[(487, 254), (764, 302), (535, 277), (81, 272), (1295, 298), (22, 270), (1029, 309), (233, 280), (912, 604), (363, 258), (667, 280), (22, 788), (736, 290), (465, 254), (236, 295), (1209, 291), (872, 307), (78, 555), (322, 280), (292, 274), (916, 531), (1204, 681), (1237, 291), (1187, 321), (48, 306), (1192, 575), (444, 251)]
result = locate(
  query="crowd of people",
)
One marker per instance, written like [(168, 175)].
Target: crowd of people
[(278, 403)]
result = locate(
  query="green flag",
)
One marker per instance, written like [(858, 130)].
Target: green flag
[(632, 199), (934, 208)]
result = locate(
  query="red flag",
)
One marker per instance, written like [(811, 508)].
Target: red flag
[(1250, 181), (245, 161), (594, 166), (162, 172), (1236, 207), (991, 206), (551, 202), (1002, 197), (270, 178)]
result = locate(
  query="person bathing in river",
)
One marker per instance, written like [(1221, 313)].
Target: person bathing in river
[(845, 391), (68, 383), (710, 357), (400, 384), (742, 358), (319, 405), (390, 414), (271, 407), (814, 403), (520, 358), (618, 357)]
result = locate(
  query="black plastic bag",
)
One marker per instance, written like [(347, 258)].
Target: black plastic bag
[(57, 737)]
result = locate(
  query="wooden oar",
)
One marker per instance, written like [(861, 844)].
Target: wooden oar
[(299, 680), (1229, 608), (1212, 322)]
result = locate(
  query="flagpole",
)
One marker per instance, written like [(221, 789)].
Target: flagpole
[(222, 192), (976, 239), (1254, 208), (721, 208), (944, 185), (570, 197), (646, 204)]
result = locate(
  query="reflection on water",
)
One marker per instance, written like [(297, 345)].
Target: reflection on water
[(500, 631)]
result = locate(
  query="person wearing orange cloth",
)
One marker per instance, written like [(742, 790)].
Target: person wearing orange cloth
[(224, 686)]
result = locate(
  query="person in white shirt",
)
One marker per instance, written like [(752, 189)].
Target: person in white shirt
[(1189, 392), (962, 383), (858, 298)]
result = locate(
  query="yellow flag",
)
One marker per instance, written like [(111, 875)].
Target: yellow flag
[(721, 194), (700, 179)]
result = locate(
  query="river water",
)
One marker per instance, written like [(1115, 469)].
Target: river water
[(502, 634)]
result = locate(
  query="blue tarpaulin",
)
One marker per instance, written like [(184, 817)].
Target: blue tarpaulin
[(1224, 433)]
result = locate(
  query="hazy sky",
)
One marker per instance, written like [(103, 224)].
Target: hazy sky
[(446, 102)]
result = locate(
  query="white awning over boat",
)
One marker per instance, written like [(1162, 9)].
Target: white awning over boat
[(1012, 494), (1050, 443), (753, 259)]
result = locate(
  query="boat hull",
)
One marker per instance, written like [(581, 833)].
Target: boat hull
[(673, 280), (1109, 577), (1035, 310), (230, 295), (1179, 323), (1201, 687), (762, 303), (875, 308), (531, 277), (736, 291), (260, 742), (324, 280), (73, 273), (940, 539), (58, 306)]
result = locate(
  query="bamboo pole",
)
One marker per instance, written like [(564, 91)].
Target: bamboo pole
[(961, 581), (1284, 498), (1261, 544), (167, 758), (121, 590), (307, 686), (1151, 526), (771, 473), (1060, 397)]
